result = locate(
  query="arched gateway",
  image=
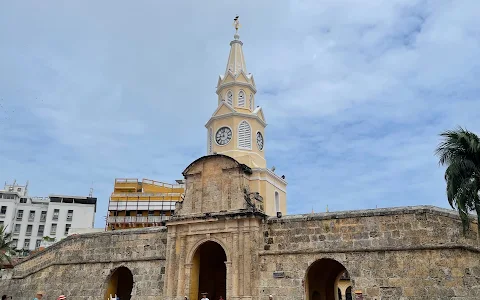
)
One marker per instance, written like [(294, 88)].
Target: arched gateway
[(209, 272), (324, 279), (120, 283)]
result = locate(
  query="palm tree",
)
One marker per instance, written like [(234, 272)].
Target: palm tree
[(6, 246), (460, 151)]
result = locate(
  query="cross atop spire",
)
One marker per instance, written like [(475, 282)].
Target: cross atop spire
[(236, 25)]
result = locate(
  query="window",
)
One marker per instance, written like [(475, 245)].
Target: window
[(3, 210), (29, 230), (37, 244), (17, 228), (26, 244), (139, 213), (210, 140), (241, 99), (1, 223), (127, 213), (23, 200), (244, 135), (19, 189), (53, 230), (56, 212), (20, 215), (70, 215), (277, 202), (41, 228), (150, 213), (230, 98), (14, 243), (43, 216), (31, 216), (67, 228)]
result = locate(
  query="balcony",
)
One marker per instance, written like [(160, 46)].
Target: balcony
[(130, 219), (40, 233), (16, 232), (43, 218), (30, 219), (28, 233), (69, 218)]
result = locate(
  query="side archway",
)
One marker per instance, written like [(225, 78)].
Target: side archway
[(120, 283), (324, 280)]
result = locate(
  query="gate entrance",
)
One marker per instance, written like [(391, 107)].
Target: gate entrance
[(120, 283), (327, 279), (209, 272)]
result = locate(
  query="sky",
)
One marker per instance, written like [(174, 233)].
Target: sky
[(355, 93)]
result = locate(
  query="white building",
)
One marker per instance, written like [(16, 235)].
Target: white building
[(30, 219)]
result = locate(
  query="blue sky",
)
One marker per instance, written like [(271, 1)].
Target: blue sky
[(355, 93)]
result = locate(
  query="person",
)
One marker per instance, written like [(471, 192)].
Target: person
[(4, 297), (270, 297), (39, 295), (62, 297), (204, 296), (221, 298)]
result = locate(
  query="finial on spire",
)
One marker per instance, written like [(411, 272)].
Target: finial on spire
[(236, 25)]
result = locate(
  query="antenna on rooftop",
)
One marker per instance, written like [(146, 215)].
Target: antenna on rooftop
[(90, 195)]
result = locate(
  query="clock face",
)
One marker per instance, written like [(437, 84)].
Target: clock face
[(260, 141), (223, 136)]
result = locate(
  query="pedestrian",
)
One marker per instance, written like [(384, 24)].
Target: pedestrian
[(221, 298), (39, 295), (204, 296), (270, 297), (62, 297)]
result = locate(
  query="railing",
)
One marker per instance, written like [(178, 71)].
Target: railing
[(55, 218), (40, 233), (53, 232), (28, 233), (19, 218), (69, 218), (30, 219), (133, 219), (2, 215), (43, 219)]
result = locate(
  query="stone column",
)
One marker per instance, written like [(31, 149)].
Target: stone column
[(181, 266), (228, 265), (188, 270), (233, 292), (247, 288), (170, 273)]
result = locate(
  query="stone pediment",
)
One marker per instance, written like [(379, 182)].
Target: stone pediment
[(214, 183)]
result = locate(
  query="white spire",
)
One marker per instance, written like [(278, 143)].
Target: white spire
[(236, 61)]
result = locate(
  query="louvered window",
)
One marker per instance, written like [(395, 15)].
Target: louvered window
[(244, 135), (230, 98), (241, 99), (210, 140), (250, 104)]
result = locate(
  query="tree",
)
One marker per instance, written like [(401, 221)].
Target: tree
[(6, 246), (460, 152)]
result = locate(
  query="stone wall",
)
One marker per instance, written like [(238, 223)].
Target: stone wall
[(80, 266), (399, 253), (214, 183)]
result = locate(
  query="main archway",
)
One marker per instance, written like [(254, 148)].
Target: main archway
[(209, 272), (120, 283), (323, 278)]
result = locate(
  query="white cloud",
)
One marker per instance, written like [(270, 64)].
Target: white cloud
[(355, 92)]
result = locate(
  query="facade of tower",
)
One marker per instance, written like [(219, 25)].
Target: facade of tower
[(237, 129)]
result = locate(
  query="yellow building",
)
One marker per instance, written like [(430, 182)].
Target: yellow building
[(145, 203), (237, 129)]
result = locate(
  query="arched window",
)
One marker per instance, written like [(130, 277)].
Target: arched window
[(250, 103), (244, 135), (230, 98), (210, 140), (277, 202), (241, 99)]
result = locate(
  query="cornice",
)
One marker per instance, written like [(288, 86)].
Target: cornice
[(235, 83), (236, 114)]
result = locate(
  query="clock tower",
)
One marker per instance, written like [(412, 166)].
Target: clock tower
[(237, 128)]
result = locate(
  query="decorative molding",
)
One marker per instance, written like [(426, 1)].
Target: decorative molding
[(237, 114)]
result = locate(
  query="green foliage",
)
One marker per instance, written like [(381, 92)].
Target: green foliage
[(6, 246), (460, 152)]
